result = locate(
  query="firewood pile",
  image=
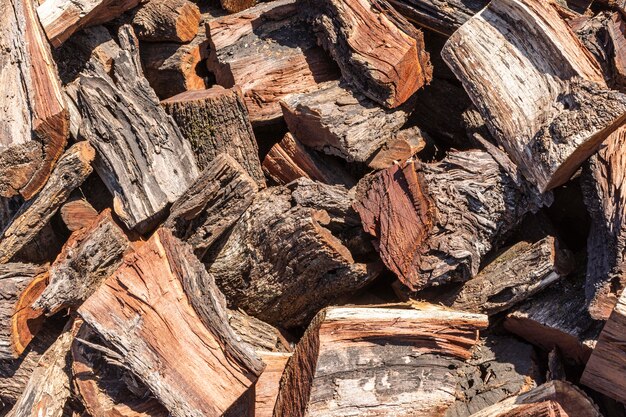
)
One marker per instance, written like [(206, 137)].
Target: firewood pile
[(313, 208)]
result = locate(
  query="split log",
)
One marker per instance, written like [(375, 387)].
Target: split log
[(606, 366), (71, 170), (145, 298), (160, 20), (378, 51), (143, 159), (282, 263), (89, 256), (443, 18), (289, 160), (269, 52), (216, 121), (433, 223), (346, 352), (78, 213), (258, 334), (34, 125), (235, 6), (212, 204), (406, 143), (617, 34), (268, 385), (565, 111)]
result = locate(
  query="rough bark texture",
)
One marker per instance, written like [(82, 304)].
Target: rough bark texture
[(378, 51), (143, 158), (34, 121), (212, 204), (71, 170), (161, 20), (78, 213), (143, 312), (565, 109), (216, 121), (370, 361), (268, 385), (617, 34), (258, 334), (439, 16), (269, 52), (234, 6)]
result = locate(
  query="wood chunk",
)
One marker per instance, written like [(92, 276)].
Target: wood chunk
[(443, 18), (34, 121), (268, 385), (235, 6), (212, 204), (346, 351), (161, 20), (378, 51), (289, 160), (78, 213), (144, 160), (203, 370), (258, 334), (216, 121), (617, 33), (71, 170), (405, 144), (565, 111), (282, 262), (269, 52)]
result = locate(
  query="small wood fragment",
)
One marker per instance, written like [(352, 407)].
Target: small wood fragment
[(173, 21), (235, 6), (258, 334), (78, 213)]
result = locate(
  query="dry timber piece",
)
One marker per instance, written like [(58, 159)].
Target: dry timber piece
[(77, 213), (160, 310), (34, 121), (160, 20), (269, 52), (433, 223), (71, 170), (216, 121), (606, 366), (234, 6), (258, 334), (438, 16), (338, 364), (89, 256), (339, 122), (289, 160), (378, 51), (565, 110), (403, 146), (143, 159), (212, 204), (605, 197), (284, 259), (617, 34), (268, 385)]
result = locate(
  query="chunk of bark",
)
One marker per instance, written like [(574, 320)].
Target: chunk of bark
[(565, 110), (71, 170), (78, 213), (160, 20), (212, 204), (372, 361), (34, 122), (256, 333), (378, 51), (235, 6), (216, 121), (143, 159), (268, 385), (203, 370), (269, 52), (443, 18), (405, 144)]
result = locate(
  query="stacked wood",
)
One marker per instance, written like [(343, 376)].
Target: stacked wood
[(159, 20)]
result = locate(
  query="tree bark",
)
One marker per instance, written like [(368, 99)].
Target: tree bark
[(160, 20), (565, 109), (235, 6), (259, 335), (438, 16), (268, 385)]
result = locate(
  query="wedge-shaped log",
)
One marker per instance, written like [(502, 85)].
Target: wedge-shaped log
[(378, 51), (544, 101), (34, 122), (258, 334), (443, 18), (160, 310), (269, 52), (375, 361), (160, 20), (143, 159), (268, 385), (216, 121)]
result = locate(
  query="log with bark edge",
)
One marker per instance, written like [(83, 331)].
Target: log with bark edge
[(143, 159), (216, 121), (374, 361), (378, 51), (34, 122), (161, 309), (565, 110), (71, 170), (617, 34), (268, 385), (160, 20), (258, 334), (77, 213), (269, 52)]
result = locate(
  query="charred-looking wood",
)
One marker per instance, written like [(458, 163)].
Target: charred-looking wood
[(345, 351), (34, 122), (433, 223), (143, 158), (70, 172), (282, 261), (216, 121), (565, 110), (160, 20), (269, 52), (268, 385), (378, 51), (161, 310)]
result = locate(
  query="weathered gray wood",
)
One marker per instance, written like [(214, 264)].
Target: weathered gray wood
[(160, 20), (439, 16), (257, 334)]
